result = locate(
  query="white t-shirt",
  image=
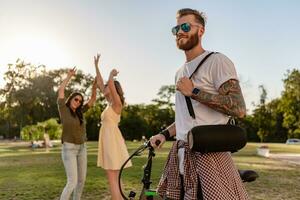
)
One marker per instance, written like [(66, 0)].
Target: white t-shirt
[(215, 71)]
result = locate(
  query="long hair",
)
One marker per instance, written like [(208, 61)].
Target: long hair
[(78, 111), (120, 91)]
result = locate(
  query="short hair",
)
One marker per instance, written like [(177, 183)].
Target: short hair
[(199, 16)]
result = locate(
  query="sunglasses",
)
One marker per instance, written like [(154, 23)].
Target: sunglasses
[(185, 27), (77, 100)]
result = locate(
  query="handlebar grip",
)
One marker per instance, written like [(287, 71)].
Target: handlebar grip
[(157, 142)]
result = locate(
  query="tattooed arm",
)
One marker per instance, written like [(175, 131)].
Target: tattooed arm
[(229, 101)]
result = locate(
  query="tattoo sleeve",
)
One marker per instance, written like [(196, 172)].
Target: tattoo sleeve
[(229, 101)]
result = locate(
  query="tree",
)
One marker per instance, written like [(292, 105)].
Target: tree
[(158, 118), (133, 124), (278, 132), (262, 116), (250, 127), (30, 96), (165, 95), (290, 103), (93, 119), (16, 83)]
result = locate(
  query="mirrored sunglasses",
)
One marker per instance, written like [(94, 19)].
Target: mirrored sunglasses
[(185, 27)]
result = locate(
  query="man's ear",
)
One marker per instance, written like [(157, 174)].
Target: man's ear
[(201, 31)]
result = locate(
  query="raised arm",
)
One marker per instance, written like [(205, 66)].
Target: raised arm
[(61, 89), (92, 99), (229, 100), (116, 100), (99, 78)]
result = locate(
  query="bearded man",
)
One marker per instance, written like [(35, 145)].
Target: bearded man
[(215, 94)]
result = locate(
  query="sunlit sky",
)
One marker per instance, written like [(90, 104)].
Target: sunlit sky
[(260, 37)]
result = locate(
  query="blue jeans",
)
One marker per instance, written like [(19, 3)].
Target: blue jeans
[(74, 157)]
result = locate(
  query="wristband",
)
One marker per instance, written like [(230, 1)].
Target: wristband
[(166, 133)]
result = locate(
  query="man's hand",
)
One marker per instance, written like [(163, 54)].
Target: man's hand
[(158, 137), (185, 86)]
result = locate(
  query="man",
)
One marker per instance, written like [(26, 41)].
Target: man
[(216, 94)]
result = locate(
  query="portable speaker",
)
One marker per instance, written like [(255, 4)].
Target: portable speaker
[(217, 138)]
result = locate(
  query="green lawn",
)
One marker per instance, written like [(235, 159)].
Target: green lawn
[(27, 174)]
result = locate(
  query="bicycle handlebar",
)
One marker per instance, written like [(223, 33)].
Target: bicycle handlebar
[(144, 146)]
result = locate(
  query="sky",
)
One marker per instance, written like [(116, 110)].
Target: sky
[(134, 36)]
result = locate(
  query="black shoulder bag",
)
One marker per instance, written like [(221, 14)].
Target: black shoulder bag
[(214, 138)]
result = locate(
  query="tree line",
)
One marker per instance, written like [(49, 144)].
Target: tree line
[(28, 106), (28, 100), (278, 119)]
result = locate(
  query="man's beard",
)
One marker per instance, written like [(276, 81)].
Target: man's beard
[(190, 44)]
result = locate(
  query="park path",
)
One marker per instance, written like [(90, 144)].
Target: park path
[(293, 158)]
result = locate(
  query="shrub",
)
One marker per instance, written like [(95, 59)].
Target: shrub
[(37, 131)]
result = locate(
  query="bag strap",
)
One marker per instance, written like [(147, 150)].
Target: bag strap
[(188, 99)]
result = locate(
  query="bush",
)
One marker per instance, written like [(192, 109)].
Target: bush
[(36, 132)]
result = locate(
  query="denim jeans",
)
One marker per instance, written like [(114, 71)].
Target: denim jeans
[(74, 157)]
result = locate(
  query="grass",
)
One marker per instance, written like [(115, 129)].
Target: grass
[(27, 174)]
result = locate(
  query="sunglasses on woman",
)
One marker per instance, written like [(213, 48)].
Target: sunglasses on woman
[(77, 100), (185, 27)]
